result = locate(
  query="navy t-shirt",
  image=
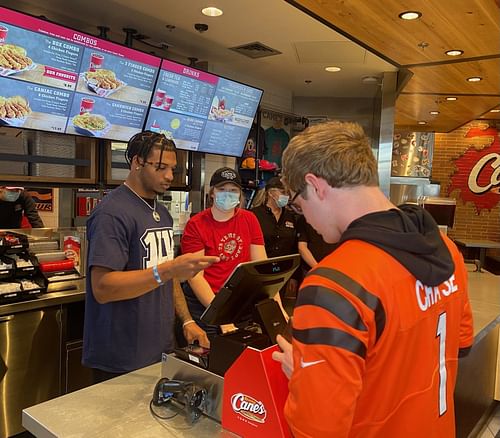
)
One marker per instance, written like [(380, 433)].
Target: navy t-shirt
[(122, 235)]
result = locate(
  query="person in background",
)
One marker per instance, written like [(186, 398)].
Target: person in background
[(278, 225), (312, 247), (223, 230), (132, 275), (379, 323), (14, 203)]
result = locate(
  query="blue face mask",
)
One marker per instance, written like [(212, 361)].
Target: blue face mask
[(226, 201), (10, 195), (282, 200)]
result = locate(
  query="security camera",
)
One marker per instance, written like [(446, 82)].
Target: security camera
[(201, 27)]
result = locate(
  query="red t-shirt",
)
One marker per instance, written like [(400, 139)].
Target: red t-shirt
[(228, 240)]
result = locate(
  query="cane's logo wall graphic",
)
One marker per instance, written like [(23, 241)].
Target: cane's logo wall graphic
[(248, 407), (477, 174)]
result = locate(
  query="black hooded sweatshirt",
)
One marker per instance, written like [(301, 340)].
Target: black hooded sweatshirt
[(411, 236)]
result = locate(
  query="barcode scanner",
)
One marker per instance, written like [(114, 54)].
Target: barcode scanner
[(190, 395)]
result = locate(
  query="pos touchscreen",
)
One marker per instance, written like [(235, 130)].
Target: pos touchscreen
[(248, 285)]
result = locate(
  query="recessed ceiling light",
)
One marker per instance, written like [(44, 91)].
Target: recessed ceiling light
[(370, 80), (495, 111), (451, 98), (434, 113), (333, 69), (475, 79), (454, 52), (422, 122), (212, 11), (410, 15)]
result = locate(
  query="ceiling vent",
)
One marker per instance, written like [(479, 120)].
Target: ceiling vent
[(255, 50)]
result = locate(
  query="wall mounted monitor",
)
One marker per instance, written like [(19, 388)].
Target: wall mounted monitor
[(201, 111), (56, 79)]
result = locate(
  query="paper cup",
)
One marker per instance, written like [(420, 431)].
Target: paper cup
[(96, 61), (3, 34), (86, 105), (159, 96), (167, 102)]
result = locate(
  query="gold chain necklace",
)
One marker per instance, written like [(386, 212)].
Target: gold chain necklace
[(156, 215)]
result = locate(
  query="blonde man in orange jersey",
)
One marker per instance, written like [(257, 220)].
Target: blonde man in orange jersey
[(379, 324)]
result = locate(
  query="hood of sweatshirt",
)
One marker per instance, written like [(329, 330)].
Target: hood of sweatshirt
[(410, 235)]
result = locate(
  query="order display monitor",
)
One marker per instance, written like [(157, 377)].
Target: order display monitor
[(53, 78), (201, 111), (248, 285)]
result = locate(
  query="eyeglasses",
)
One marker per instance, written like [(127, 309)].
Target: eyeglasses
[(296, 208), (161, 166)]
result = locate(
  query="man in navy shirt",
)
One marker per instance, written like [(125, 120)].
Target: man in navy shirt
[(132, 275)]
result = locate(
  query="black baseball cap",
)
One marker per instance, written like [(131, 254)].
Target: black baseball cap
[(274, 183), (225, 175)]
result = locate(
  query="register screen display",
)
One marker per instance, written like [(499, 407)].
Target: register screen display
[(201, 111), (56, 79)]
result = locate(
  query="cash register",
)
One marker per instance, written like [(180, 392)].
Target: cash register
[(246, 299)]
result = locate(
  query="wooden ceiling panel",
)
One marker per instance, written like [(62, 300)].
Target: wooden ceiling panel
[(452, 78), (420, 45), (470, 25), (411, 108)]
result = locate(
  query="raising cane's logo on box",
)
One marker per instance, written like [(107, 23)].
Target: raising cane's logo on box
[(248, 407)]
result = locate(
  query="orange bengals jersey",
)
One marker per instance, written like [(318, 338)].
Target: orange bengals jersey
[(375, 350)]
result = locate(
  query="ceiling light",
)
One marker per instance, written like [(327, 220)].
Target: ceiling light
[(410, 15), (451, 98), (475, 79), (495, 111), (370, 80), (434, 113), (332, 69), (454, 52), (212, 11), (422, 122)]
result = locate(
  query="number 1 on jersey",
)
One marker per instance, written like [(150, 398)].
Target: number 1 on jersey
[(441, 334)]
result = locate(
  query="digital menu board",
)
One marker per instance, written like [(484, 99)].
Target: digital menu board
[(56, 79), (201, 111)]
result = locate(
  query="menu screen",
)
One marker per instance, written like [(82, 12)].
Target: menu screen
[(56, 79), (201, 111)]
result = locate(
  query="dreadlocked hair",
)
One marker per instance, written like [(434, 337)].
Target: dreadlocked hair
[(143, 143)]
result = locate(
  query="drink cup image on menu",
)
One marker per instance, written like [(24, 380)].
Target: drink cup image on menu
[(3, 34), (86, 105), (159, 96), (167, 102), (96, 61)]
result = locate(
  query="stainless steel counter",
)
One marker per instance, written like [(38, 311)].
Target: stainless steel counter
[(77, 293), (119, 407), (116, 408)]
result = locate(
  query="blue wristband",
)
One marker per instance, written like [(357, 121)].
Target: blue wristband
[(156, 275)]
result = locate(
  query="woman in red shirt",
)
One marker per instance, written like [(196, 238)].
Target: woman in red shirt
[(225, 230)]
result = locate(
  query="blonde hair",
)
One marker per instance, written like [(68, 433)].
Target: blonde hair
[(338, 152)]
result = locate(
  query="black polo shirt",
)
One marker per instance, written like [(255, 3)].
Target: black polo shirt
[(280, 236), (315, 243)]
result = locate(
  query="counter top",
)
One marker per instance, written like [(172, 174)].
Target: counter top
[(120, 407), (77, 293), (116, 408), (484, 296)]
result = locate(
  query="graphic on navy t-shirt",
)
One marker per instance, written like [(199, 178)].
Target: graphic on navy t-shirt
[(230, 247), (158, 245)]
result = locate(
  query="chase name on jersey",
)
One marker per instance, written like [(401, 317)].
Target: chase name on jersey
[(428, 296)]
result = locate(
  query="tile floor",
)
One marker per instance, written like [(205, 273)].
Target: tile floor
[(492, 427)]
